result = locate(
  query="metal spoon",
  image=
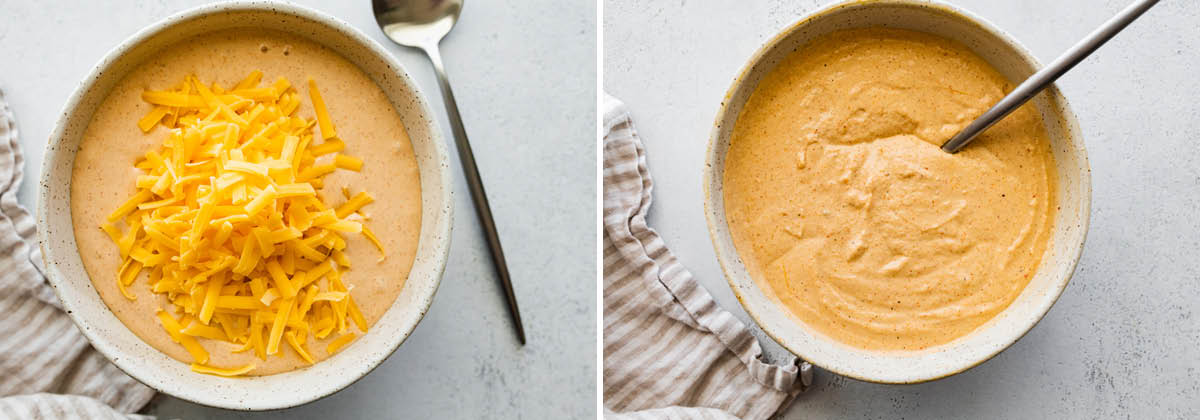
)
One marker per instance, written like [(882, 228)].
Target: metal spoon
[(422, 24), (1044, 77)]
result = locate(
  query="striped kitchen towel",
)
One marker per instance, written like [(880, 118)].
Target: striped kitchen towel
[(669, 350), (47, 368)]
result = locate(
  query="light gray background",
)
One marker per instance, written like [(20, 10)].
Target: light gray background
[(1124, 339), (524, 74)]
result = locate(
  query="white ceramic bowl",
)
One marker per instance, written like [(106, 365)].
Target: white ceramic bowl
[(1071, 223), (154, 368)]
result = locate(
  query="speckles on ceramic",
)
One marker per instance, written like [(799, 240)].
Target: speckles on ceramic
[(1074, 186), (64, 267)]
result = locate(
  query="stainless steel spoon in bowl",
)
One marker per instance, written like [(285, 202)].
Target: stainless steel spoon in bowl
[(422, 24), (1044, 77)]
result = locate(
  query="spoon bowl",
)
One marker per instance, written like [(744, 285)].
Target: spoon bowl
[(416, 23)]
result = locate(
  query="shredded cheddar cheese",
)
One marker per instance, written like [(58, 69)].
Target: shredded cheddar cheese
[(200, 368), (339, 342), (229, 223)]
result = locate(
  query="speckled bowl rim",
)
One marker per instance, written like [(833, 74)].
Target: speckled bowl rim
[(259, 393), (713, 174)]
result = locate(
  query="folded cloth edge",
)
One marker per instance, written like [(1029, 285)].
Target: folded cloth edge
[(621, 213), (52, 356)]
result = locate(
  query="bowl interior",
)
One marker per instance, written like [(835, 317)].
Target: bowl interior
[(148, 365), (994, 336)]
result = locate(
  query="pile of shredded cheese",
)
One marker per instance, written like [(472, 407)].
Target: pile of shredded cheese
[(229, 225)]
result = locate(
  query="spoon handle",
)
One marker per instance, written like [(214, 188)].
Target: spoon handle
[(1044, 77), (478, 196)]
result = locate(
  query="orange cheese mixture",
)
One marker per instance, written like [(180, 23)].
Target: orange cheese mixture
[(843, 207)]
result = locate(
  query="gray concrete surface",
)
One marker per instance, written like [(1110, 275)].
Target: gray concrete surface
[(524, 74), (1124, 339)]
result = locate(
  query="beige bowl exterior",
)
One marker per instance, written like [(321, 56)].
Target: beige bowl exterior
[(1071, 222), (108, 335)]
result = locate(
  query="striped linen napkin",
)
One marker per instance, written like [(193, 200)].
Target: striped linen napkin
[(669, 350), (47, 368)]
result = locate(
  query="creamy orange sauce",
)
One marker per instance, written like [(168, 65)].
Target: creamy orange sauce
[(104, 175), (841, 203)]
